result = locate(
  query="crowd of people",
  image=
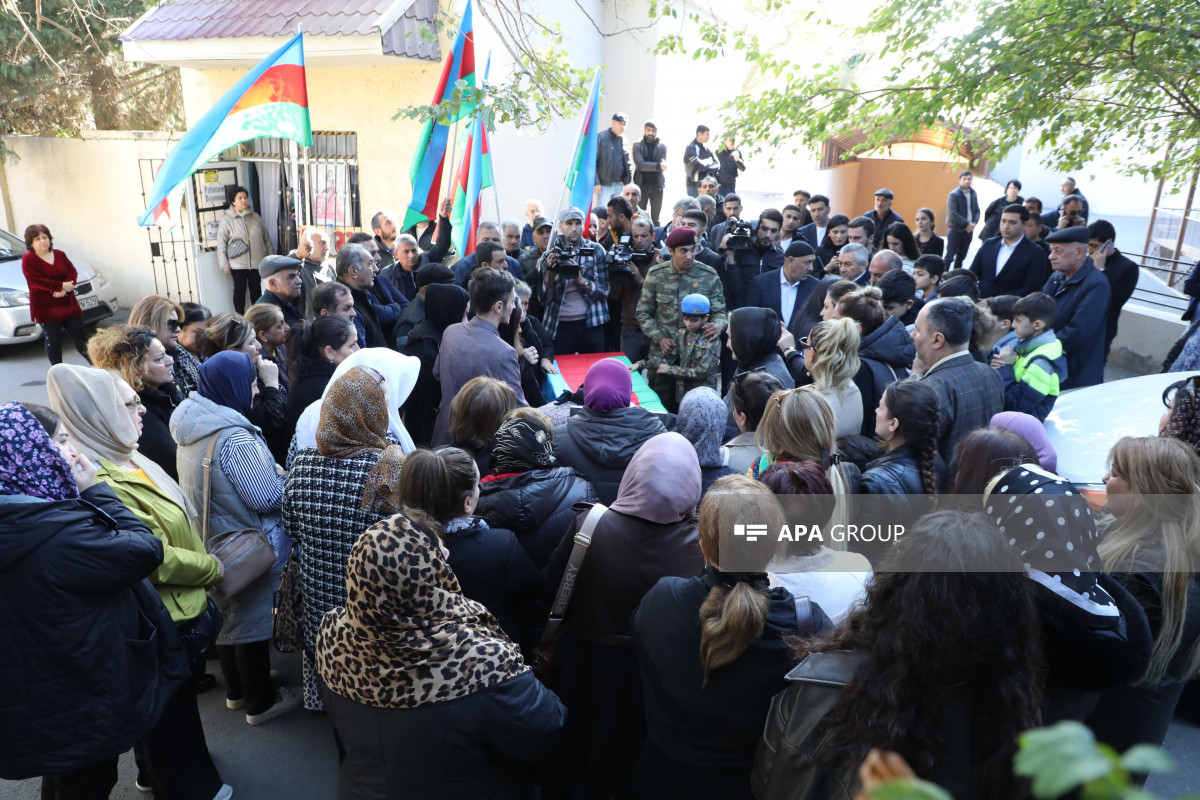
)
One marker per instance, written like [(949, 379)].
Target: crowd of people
[(367, 466)]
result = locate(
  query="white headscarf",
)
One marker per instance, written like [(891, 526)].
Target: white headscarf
[(400, 373)]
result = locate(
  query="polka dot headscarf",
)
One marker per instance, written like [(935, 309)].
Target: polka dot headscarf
[(1047, 521)]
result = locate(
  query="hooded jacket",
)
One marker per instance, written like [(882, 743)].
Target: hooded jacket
[(600, 446), (754, 335), (887, 354), (88, 653), (536, 505)]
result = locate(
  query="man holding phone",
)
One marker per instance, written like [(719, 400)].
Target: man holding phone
[(1122, 274)]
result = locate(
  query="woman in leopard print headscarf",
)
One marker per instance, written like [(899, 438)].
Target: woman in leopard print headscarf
[(406, 643)]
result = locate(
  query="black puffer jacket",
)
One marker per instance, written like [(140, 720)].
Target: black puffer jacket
[(599, 445), (887, 354), (88, 654), (536, 506)]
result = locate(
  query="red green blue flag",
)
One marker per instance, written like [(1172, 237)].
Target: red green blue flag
[(581, 177), (270, 100), (474, 175), (430, 159)]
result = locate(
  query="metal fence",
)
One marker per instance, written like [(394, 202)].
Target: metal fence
[(1174, 239)]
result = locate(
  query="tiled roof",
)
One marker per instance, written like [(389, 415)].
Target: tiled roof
[(181, 20)]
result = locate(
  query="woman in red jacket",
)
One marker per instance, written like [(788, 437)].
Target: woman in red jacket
[(51, 277)]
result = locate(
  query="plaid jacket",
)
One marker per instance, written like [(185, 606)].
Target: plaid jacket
[(595, 294), (970, 394)]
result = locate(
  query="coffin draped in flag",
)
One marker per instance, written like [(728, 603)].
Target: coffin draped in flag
[(270, 100), (429, 162), (581, 177)]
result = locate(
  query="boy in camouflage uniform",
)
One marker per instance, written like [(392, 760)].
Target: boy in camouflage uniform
[(660, 308), (695, 361)]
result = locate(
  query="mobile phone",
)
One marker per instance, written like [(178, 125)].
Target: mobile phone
[(1107, 248)]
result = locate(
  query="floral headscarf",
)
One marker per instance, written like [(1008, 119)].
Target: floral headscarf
[(30, 462), (407, 624), (354, 421), (702, 417)]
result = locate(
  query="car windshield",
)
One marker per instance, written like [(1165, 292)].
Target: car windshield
[(10, 246)]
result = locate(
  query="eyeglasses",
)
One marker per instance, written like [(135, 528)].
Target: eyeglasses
[(133, 404), (173, 324), (802, 343), (779, 397)]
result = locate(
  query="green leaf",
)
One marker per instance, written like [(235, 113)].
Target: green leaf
[(1060, 759), (1144, 758)]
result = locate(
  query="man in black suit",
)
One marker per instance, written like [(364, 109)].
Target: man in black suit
[(1122, 274), (787, 290), (1010, 263), (814, 231)]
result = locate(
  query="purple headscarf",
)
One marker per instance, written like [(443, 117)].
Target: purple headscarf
[(225, 379), (30, 462), (1032, 431), (607, 386)]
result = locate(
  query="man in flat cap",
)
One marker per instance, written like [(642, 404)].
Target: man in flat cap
[(659, 309), (612, 161), (1082, 294), (575, 299), (883, 215), (281, 286)]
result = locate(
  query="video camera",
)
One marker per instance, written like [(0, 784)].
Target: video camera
[(622, 259), (565, 262), (741, 235)]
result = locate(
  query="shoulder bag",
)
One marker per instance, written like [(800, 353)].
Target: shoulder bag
[(287, 626), (245, 554), (542, 657)]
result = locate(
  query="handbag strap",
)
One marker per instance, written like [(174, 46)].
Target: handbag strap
[(206, 462), (566, 587), (805, 624)]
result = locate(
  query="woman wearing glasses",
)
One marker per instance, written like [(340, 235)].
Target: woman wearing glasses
[(140, 358), (165, 317)]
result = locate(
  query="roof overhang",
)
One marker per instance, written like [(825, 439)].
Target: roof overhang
[(319, 51)]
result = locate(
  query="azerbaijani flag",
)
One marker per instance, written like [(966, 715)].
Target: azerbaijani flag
[(270, 100), (581, 177), (430, 158), (474, 175)]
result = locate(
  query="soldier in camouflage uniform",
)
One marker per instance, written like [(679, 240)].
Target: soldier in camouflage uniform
[(660, 309)]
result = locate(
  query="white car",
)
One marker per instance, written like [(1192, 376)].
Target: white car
[(1086, 423), (96, 297)]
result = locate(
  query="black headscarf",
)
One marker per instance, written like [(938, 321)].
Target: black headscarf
[(754, 333), (444, 306), (521, 445)]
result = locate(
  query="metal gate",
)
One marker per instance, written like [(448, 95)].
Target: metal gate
[(171, 251)]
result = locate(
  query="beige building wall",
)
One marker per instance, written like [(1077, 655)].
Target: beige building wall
[(916, 184), (92, 202)]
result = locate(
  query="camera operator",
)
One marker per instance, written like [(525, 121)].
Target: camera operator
[(756, 256), (574, 288), (620, 217), (623, 297)]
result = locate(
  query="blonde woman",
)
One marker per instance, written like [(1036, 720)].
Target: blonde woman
[(799, 425), (1152, 545), (831, 356)]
